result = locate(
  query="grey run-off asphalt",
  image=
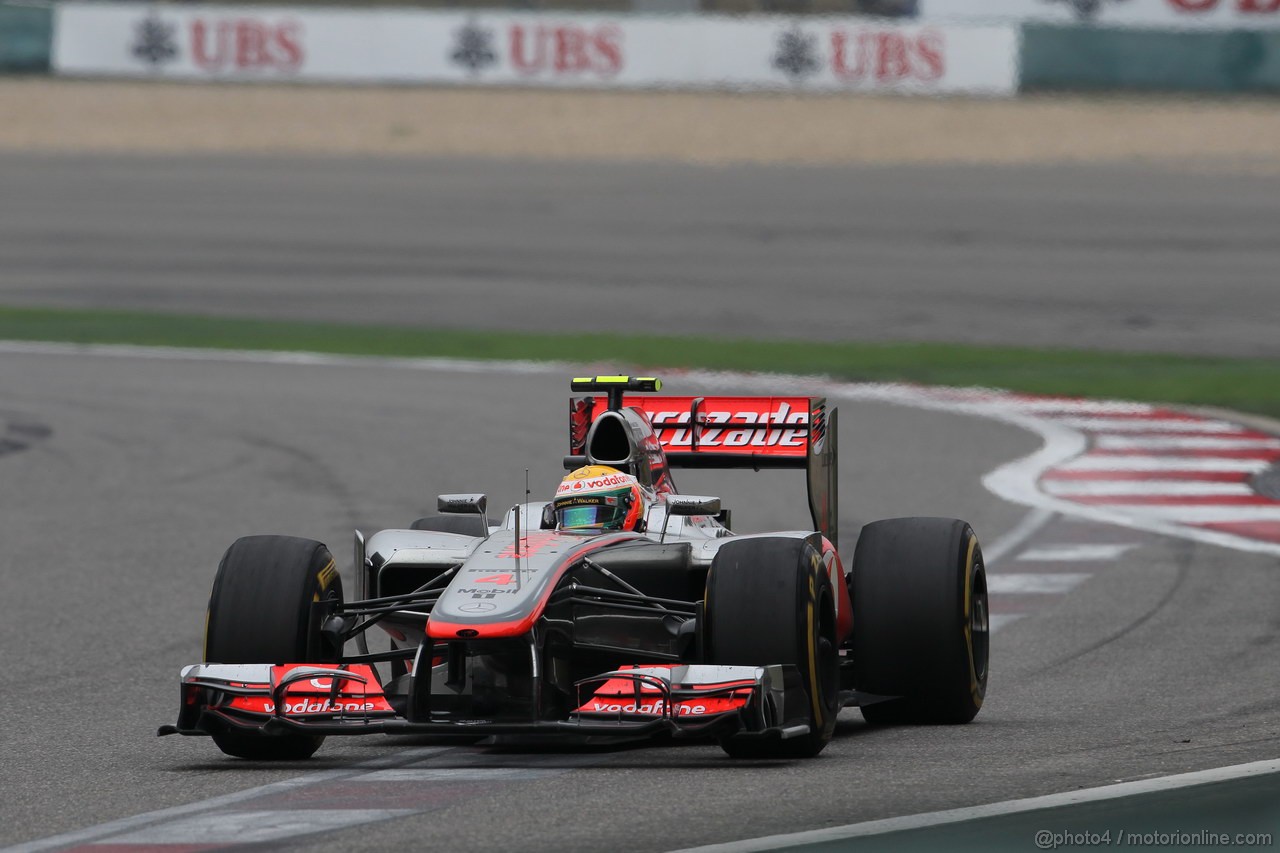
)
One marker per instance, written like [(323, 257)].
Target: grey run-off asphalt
[(1105, 256)]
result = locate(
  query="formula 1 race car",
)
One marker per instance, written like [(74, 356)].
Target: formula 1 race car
[(619, 608)]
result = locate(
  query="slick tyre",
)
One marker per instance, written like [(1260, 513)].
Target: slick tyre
[(262, 610), (770, 601), (920, 620)]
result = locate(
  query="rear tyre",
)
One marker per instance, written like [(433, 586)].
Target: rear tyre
[(262, 610), (467, 525), (920, 620), (770, 601)]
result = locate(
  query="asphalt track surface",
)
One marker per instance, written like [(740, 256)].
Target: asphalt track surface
[(1106, 257), (126, 477)]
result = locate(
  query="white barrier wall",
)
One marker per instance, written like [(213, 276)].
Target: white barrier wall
[(592, 51)]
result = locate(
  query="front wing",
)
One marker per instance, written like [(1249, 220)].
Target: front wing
[(331, 699)]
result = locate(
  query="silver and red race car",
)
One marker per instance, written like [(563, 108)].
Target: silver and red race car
[(676, 624)]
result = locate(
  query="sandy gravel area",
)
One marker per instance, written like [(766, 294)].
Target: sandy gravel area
[(61, 115)]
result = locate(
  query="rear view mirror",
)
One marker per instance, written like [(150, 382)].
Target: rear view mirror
[(474, 504), (693, 505)]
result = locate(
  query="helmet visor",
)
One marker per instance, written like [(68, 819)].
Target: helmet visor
[(591, 513)]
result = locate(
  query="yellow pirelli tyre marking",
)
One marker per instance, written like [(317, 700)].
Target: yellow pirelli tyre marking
[(814, 698), (327, 574), (974, 687)]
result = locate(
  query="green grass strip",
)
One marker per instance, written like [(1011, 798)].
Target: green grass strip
[(1251, 385)]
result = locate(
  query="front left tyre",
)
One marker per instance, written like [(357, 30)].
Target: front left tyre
[(267, 606)]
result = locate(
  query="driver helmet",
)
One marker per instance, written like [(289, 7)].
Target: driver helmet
[(597, 497)]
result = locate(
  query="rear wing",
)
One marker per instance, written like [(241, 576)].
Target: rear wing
[(734, 432)]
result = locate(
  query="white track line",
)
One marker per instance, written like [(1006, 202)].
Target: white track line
[(1080, 407), (1094, 462), (1027, 527), (1164, 442), (308, 359), (254, 827), (115, 827), (1149, 425), (996, 621), (941, 818), (1199, 514), (1037, 582), (459, 774), (1073, 553), (1145, 488)]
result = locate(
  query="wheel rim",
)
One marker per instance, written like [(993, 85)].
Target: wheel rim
[(317, 649), (980, 623)]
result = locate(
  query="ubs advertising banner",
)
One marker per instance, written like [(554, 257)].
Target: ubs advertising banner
[(1154, 14), (853, 54)]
